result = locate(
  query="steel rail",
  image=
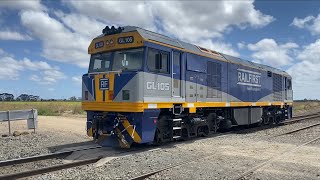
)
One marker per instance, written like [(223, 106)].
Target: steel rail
[(48, 169), (252, 170), (93, 160), (42, 157), (242, 176), (300, 118), (299, 129), (60, 166), (295, 119), (305, 115)]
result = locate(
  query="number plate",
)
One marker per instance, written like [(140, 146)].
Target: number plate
[(104, 84), (125, 40), (99, 44)]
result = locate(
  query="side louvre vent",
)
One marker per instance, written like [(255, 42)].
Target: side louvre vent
[(277, 87), (214, 80)]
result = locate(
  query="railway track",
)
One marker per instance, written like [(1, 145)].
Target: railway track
[(294, 120), (96, 159), (241, 177), (48, 169), (45, 169), (60, 166), (302, 117), (299, 129), (250, 172)]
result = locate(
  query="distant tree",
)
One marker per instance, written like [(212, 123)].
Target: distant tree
[(73, 98)]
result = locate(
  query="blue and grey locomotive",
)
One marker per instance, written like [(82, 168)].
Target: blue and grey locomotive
[(144, 87)]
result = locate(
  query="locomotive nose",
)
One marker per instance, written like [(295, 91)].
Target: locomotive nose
[(98, 87)]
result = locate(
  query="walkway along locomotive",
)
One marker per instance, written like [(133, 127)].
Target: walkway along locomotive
[(144, 87)]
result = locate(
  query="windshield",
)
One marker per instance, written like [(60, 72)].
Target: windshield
[(130, 59), (100, 62)]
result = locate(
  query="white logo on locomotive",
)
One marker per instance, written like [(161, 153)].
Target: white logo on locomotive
[(158, 86), (249, 78)]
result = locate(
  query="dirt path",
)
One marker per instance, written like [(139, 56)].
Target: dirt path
[(69, 124), (74, 125)]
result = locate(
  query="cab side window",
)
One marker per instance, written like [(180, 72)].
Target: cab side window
[(158, 61), (289, 84)]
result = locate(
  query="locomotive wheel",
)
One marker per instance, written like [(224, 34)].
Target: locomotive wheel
[(225, 125), (205, 130), (277, 119), (157, 137), (185, 134), (199, 131), (266, 120)]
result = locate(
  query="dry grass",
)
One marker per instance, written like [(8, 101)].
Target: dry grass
[(305, 106), (56, 108), (52, 108)]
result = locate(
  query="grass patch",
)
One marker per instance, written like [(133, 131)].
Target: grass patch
[(305, 106), (57, 108), (52, 108)]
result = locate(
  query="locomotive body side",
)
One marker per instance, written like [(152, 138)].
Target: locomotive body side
[(147, 88)]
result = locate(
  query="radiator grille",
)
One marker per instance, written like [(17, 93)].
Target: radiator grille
[(214, 80), (277, 87)]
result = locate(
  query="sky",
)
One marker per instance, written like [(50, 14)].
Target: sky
[(43, 44)]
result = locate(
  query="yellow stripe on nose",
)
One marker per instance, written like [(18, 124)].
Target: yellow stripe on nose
[(98, 92), (90, 132), (131, 130)]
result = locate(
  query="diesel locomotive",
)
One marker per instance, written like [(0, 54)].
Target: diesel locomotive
[(145, 87)]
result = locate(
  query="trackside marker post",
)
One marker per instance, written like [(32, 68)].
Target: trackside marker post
[(9, 124)]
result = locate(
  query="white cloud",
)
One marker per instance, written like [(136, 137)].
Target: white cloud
[(136, 13), (268, 51), (241, 45), (66, 36), (190, 20), (306, 73), (35, 65), (10, 35), (310, 23), (48, 77), (22, 5), (218, 46), (34, 78), (11, 68), (52, 76), (311, 52), (77, 79), (300, 23), (84, 25), (59, 43)]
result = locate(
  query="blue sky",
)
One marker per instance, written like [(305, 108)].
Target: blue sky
[(43, 44)]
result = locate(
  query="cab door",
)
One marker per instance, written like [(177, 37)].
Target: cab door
[(176, 74), (201, 88)]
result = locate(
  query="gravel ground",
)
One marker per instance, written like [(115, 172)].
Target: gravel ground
[(35, 144), (222, 156)]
